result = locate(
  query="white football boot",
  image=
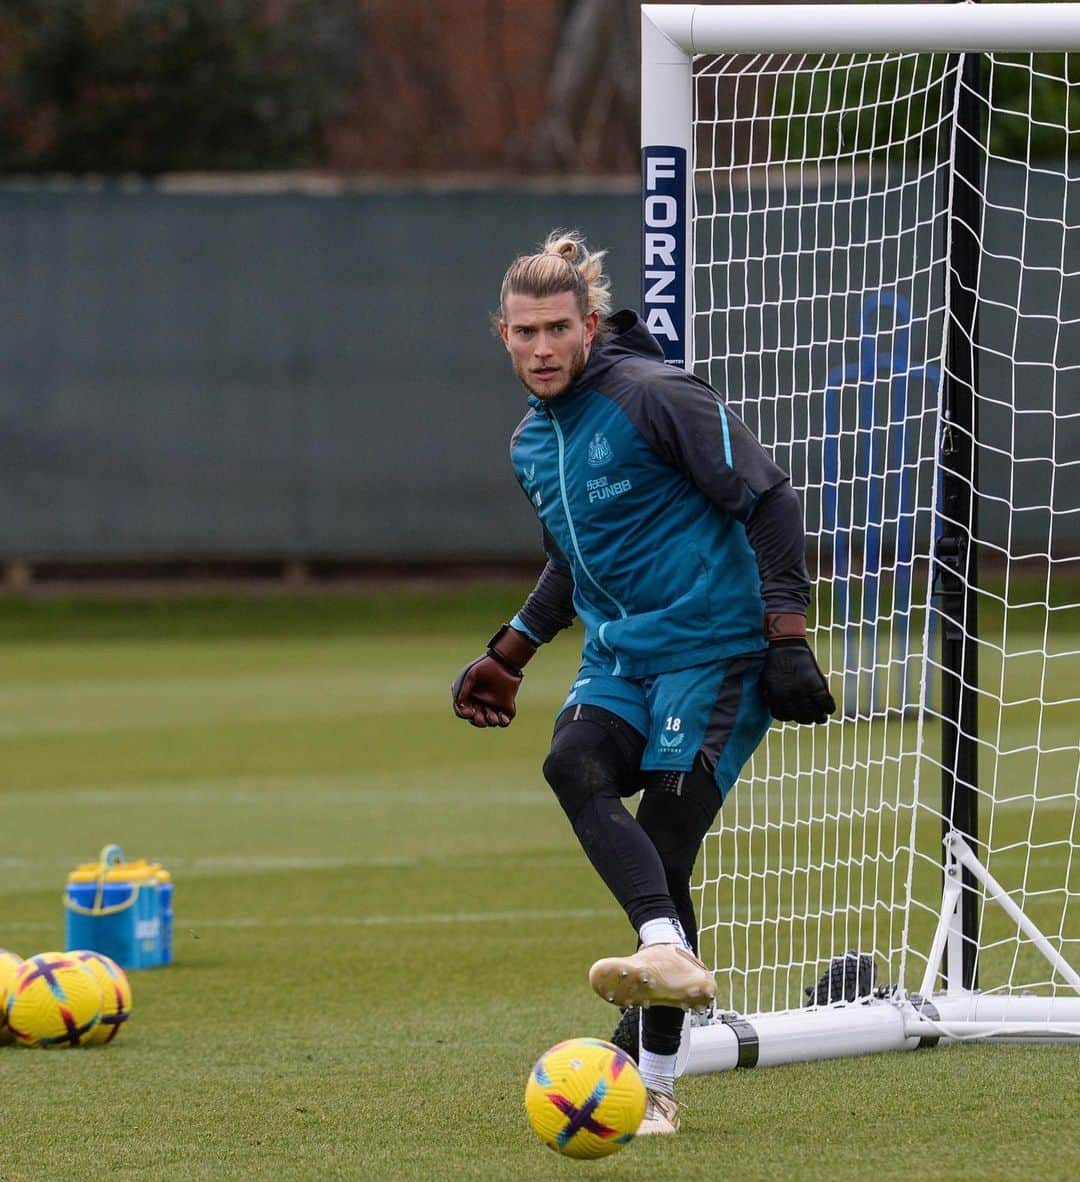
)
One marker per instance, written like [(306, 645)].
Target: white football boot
[(661, 1115), (658, 974)]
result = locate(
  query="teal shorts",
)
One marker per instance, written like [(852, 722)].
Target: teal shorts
[(715, 709)]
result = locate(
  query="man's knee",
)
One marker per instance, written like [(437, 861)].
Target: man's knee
[(676, 811), (593, 753)]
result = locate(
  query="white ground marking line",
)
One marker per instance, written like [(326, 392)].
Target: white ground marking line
[(46, 873), (183, 923), (94, 706), (240, 790)]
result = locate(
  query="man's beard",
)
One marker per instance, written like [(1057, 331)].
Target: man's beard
[(576, 369)]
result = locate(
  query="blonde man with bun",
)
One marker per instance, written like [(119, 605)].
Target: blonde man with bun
[(679, 544)]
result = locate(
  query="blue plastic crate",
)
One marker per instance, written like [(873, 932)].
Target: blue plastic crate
[(122, 909)]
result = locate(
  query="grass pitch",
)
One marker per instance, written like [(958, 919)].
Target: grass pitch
[(382, 920)]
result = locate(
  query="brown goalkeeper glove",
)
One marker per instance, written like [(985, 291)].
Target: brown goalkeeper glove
[(795, 689), (484, 692)]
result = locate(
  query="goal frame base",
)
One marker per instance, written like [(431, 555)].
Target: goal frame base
[(871, 1026), (902, 1022)]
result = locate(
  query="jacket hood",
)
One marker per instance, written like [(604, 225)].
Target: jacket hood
[(627, 337)]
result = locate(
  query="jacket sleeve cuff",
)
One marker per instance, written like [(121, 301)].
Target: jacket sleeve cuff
[(519, 624), (784, 626)]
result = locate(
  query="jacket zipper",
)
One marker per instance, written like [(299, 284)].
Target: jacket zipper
[(573, 534)]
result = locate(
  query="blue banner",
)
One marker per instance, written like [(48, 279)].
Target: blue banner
[(663, 248)]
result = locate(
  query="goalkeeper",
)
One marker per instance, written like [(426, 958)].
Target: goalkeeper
[(679, 543)]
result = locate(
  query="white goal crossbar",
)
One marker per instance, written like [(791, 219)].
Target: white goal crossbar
[(673, 34), (839, 28), (736, 265)]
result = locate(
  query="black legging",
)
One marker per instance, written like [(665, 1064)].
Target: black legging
[(646, 862)]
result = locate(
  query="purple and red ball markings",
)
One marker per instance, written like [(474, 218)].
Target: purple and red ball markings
[(46, 970), (74, 1030), (97, 958), (618, 1062), (581, 1118), (117, 1019)]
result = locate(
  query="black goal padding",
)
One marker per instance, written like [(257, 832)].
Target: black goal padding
[(627, 1035), (847, 978)]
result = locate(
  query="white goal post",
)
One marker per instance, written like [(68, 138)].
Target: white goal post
[(861, 224)]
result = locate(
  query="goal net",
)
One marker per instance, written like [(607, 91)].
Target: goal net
[(882, 278)]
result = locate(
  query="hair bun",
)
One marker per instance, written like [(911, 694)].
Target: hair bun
[(565, 248), (579, 270)]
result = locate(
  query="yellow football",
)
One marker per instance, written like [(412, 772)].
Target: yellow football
[(53, 1001), (9, 962), (585, 1098), (115, 995)]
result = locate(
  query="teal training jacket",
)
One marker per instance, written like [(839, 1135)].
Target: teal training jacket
[(644, 482)]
